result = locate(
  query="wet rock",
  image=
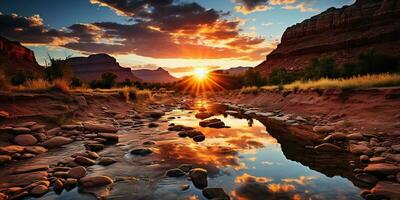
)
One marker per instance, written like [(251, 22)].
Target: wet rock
[(215, 193), (35, 149), (382, 168), (69, 127), (70, 182), (110, 137), (41, 137), (367, 178), (11, 149), (105, 128), (39, 190), (155, 114), (95, 181), (84, 161), (266, 114), (359, 149), (190, 133), (92, 155), (105, 161), (21, 130), (23, 179), (186, 167), (4, 159), (328, 147), (4, 114), (56, 142), (184, 187), (77, 172), (94, 146), (393, 157), (152, 125), (231, 112), (3, 196), (175, 173), (27, 156), (199, 138), (364, 158), (25, 124), (54, 131), (25, 140), (198, 177), (386, 189), (203, 115), (58, 185), (380, 149), (30, 168), (377, 159), (179, 128), (323, 129), (212, 123), (141, 152), (38, 128)]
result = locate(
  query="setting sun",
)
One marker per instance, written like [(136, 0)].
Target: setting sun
[(200, 73)]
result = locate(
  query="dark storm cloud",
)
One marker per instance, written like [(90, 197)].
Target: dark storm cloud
[(249, 6)]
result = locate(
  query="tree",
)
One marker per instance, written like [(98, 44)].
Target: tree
[(58, 69), (21, 77)]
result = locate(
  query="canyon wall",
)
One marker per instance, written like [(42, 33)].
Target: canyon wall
[(342, 33), (159, 75)]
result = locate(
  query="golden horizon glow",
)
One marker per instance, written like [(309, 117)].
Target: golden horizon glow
[(200, 74)]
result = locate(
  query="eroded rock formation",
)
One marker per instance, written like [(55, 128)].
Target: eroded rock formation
[(342, 33)]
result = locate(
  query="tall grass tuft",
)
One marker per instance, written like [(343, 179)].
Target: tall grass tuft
[(61, 85), (250, 90), (357, 82)]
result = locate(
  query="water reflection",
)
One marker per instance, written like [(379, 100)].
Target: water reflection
[(249, 163)]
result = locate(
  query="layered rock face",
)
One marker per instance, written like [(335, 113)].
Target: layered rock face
[(14, 57), (92, 67), (154, 76), (342, 33)]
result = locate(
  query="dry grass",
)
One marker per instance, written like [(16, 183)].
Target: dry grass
[(250, 90), (358, 82), (60, 85)]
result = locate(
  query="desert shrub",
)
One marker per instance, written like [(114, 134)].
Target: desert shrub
[(372, 62), (107, 81), (61, 85), (20, 77), (129, 93), (323, 67), (281, 76), (126, 83), (253, 78), (57, 69), (36, 84), (75, 82)]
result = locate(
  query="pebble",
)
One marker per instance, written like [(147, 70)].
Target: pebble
[(39, 190), (77, 172), (95, 181), (84, 161), (105, 161), (25, 140), (175, 173), (56, 142)]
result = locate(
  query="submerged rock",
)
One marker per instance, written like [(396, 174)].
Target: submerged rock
[(215, 193), (175, 173), (212, 123), (155, 114), (198, 177), (105, 161), (39, 190), (203, 115), (84, 161), (110, 137), (141, 152), (95, 181)]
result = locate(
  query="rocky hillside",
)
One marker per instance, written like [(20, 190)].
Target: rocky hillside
[(92, 67), (14, 57), (236, 70), (342, 33), (159, 75)]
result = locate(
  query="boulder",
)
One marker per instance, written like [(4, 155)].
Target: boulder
[(94, 146), (198, 177), (382, 168), (35, 149), (110, 137), (4, 159), (56, 142), (386, 189), (355, 136), (215, 193), (58, 185), (77, 172), (95, 181), (105, 128), (203, 115), (175, 173), (359, 149), (199, 138), (25, 140), (11, 149), (39, 190), (21, 130)]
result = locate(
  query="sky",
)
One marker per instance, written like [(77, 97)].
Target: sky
[(178, 35)]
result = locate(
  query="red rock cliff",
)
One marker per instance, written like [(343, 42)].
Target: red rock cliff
[(14, 57), (342, 33)]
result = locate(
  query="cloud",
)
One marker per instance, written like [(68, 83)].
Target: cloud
[(251, 6), (156, 29), (302, 7), (247, 178)]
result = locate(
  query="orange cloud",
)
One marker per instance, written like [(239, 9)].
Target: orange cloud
[(247, 178)]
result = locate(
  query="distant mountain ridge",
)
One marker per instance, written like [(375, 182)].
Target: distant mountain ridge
[(237, 70), (341, 33), (15, 57), (159, 75), (92, 67)]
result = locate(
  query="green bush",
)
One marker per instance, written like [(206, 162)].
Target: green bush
[(281, 76), (58, 69), (107, 81), (323, 67)]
